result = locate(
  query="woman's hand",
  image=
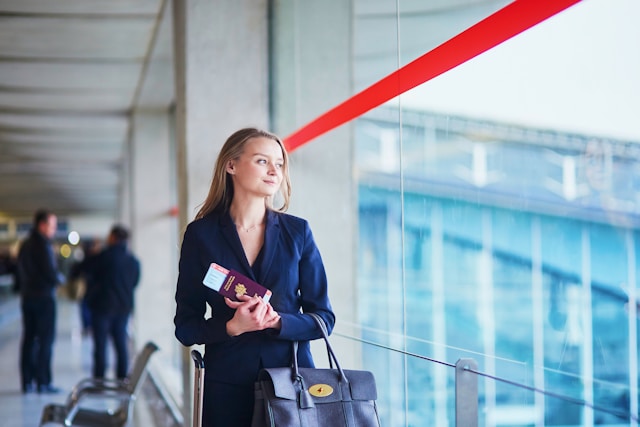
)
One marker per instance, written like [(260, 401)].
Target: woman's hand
[(252, 314)]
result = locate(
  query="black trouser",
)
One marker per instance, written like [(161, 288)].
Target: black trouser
[(39, 328), (103, 326), (227, 404)]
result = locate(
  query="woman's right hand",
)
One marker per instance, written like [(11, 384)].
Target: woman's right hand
[(252, 314)]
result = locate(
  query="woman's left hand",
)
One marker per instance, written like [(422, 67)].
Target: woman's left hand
[(252, 314)]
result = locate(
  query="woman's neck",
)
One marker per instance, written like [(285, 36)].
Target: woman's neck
[(247, 216)]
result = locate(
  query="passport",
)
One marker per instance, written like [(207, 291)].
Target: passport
[(230, 283)]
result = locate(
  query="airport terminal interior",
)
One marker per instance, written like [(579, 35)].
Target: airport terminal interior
[(469, 168)]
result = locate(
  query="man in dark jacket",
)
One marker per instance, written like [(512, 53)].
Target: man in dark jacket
[(39, 276), (114, 274)]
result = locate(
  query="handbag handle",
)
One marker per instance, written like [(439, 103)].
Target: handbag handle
[(330, 353), (304, 398), (323, 327)]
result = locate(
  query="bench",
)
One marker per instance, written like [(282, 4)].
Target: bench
[(101, 402)]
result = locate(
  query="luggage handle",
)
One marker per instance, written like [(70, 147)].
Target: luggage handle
[(198, 387)]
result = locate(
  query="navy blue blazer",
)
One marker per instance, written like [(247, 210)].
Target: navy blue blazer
[(291, 268)]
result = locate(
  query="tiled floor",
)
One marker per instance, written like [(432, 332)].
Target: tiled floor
[(71, 363)]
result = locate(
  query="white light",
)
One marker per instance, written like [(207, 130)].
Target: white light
[(73, 237)]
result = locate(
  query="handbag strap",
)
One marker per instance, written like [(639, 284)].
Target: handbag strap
[(305, 401), (347, 404), (325, 335), (295, 373), (323, 327)]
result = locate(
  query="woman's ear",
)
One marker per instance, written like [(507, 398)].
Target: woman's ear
[(231, 169)]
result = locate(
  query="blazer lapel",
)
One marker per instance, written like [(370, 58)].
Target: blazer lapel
[(271, 242), (230, 234)]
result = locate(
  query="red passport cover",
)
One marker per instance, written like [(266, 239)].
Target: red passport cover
[(230, 283)]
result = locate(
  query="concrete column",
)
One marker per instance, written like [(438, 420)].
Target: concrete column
[(222, 75), (312, 72), (124, 214), (153, 195)]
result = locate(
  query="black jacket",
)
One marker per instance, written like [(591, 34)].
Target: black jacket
[(111, 279), (37, 268)]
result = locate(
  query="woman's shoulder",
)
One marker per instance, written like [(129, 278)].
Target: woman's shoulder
[(293, 224), (207, 222), (289, 218)]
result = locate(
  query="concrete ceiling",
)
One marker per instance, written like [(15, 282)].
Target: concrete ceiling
[(71, 73)]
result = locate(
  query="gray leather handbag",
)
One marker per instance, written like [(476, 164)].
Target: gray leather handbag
[(310, 397)]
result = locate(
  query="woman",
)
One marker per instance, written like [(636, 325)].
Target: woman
[(238, 228)]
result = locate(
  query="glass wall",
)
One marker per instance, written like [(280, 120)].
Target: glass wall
[(496, 222), (498, 214)]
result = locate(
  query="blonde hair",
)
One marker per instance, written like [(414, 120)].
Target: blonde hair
[(221, 190)]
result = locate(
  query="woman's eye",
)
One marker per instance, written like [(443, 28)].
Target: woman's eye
[(262, 161), (279, 165)]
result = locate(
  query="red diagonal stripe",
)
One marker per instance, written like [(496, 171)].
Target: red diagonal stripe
[(491, 31)]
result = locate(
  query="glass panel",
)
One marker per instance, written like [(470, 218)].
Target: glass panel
[(514, 231), (498, 208), (390, 33)]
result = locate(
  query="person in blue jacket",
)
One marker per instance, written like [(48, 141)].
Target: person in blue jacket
[(112, 277), (239, 228)]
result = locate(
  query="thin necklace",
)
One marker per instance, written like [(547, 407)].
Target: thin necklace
[(246, 230)]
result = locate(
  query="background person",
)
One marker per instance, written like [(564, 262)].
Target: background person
[(38, 276), (238, 228), (113, 276), (80, 273)]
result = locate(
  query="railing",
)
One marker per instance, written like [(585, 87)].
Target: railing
[(467, 398), (466, 388)]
